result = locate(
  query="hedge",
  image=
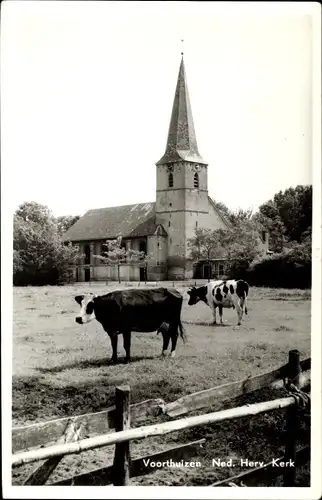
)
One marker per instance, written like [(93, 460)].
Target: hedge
[(289, 269)]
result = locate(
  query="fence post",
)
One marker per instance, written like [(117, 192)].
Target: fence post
[(293, 421), (122, 450)]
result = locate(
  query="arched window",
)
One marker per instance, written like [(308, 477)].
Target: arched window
[(170, 180), (196, 180)]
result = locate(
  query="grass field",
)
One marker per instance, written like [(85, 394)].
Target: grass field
[(61, 368)]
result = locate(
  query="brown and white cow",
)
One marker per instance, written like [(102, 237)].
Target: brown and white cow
[(228, 293)]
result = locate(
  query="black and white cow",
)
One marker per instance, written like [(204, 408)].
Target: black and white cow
[(228, 293), (138, 310)]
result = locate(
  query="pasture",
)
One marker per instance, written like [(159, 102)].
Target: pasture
[(60, 368)]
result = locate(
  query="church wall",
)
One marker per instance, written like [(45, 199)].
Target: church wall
[(110, 273), (174, 224), (157, 249)]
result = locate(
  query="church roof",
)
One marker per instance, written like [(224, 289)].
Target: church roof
[(147, 228), (128, 221), (182, 142), (105, 223)]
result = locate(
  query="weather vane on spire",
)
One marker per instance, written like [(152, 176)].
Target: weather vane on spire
[(182, 40)]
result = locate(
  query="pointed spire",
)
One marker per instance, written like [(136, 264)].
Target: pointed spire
[(182, 142)]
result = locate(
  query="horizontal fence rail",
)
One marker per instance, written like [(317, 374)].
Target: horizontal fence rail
[(231, 390), (101, 422), (149, 430)]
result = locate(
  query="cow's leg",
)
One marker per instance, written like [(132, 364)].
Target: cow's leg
[(174, 338), (213, 308), (166, 340), (220, 314), (239, 313), (127, 346), (113, 338)]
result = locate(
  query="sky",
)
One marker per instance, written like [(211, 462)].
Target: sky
[(88, 87)]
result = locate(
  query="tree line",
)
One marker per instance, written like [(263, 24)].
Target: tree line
[(287, 219), (40, 257)]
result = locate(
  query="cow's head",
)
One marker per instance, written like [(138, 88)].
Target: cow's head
[(196, 294), (86, 303)]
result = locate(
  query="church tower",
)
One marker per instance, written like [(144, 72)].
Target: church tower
[(181, 183)]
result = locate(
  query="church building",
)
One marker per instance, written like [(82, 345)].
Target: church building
[(161, 228)]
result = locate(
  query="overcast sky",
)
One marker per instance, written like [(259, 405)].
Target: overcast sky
[(88, 87)]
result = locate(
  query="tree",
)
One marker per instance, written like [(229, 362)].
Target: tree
[(287, 216), (222, 208), (239, 246), (295, 209), (269, 217), (241, 217), (33, 212), (40, 258), (64, 222), (205, 245), (115, 254)]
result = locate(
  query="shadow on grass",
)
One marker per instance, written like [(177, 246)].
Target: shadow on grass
[(205, 323), (93, 363)]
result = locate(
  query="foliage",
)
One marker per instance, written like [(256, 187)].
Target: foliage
[(64, 222), (241, 216), (33, 212), (205, 245), (270, 219), (290, 268), (239, 246), (115, 254), (287, 216), (39, 257), (288, 220)]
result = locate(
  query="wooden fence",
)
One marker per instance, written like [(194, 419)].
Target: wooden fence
[(51, 441)]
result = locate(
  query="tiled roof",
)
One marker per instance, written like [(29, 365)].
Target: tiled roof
[(182, 142), (128, 221), (105, 223), (147, 228)]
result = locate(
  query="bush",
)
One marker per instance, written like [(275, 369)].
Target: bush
[(238, 269), (288, 269), (40, 277)]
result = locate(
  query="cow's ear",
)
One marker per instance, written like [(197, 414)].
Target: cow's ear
[(189, 292), (79, 299)]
